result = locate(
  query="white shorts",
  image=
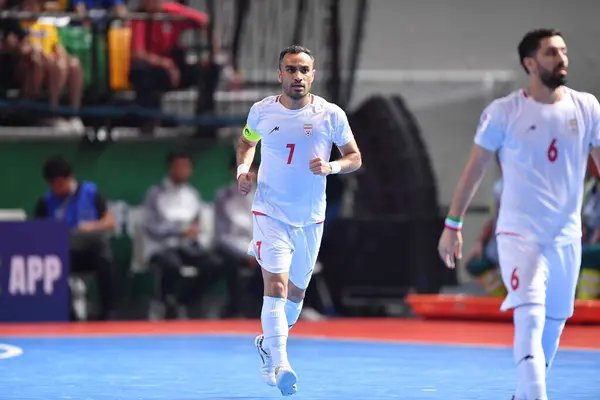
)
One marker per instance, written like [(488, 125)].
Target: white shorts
[(540, 274), (282, 248)]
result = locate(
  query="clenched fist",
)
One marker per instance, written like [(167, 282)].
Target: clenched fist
[(318, 166)]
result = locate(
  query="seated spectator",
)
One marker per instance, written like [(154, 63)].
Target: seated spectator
[(61, 68), (21, 64), (84, 208), (158, 61), (172, 221)]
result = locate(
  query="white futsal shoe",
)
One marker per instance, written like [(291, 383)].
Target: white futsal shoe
[(266, 368), (286, 379)]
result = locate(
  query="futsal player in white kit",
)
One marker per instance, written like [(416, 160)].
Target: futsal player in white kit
[(544, 135), (297, 130)]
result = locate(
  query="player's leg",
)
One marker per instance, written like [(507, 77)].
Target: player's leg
[(275, 329), (273, 250), (564, 264), (307, 242), (524, 272)]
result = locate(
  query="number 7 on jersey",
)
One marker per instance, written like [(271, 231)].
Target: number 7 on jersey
[(291, 147)]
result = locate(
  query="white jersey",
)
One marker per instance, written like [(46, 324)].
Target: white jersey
[(287, 190), (543, 150)]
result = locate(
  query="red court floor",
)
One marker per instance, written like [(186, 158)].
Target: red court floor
[(386, 329)]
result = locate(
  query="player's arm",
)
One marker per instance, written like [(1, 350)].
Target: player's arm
[(246, 148), (450, 245), (469, 181), (343, 138), (351, 159), (489, 138)]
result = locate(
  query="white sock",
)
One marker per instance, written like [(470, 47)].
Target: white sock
[(275, 328), (553, 328), (528, 351), (292, 312)]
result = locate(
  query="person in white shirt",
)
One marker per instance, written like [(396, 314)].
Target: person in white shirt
[(544, 135), (298, 130), (172, 221)]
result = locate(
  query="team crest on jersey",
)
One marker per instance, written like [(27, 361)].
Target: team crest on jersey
[(308, 130), (572, 125)]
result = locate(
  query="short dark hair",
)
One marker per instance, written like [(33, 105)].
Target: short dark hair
[(176, 155), (530, 43), (295, 49), (56, 167)]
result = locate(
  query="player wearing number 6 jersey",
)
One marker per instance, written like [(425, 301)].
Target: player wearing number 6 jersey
[(544, 136), (297, 130)]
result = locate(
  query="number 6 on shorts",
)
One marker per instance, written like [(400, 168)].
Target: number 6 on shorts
[(514, 280)]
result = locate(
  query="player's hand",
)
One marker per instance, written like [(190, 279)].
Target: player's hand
[(318, 166), (450, 247), (245, 183)]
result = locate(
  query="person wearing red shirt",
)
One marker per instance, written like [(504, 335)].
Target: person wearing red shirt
[(158, 60)]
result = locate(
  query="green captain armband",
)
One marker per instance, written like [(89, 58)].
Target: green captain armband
[(250, 135)]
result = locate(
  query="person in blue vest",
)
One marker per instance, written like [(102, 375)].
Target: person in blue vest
[(85, 209)]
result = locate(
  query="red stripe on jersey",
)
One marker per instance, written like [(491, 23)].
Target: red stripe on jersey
[(259, 213), (276, 99), (312, 99), (319, 223), (525, 93)]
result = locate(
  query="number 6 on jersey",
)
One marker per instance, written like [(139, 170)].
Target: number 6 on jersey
[(552, 151)]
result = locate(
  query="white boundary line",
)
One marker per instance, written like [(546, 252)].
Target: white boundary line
[(9, 351)]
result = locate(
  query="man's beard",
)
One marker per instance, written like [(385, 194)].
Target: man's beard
[(552, 79), (292, 94)]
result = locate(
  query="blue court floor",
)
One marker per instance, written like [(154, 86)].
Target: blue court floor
[(226, 367)]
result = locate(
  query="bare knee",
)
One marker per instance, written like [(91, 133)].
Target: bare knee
[(57, 68), (275, 284), (74, 66), (295, 294)]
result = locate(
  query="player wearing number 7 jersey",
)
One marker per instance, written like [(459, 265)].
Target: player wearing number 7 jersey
[(544, 136), (297, 130)]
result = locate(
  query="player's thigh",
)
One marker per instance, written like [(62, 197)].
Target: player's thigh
[(564, 263), (524, 272), (271, 244), (307, 243)]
